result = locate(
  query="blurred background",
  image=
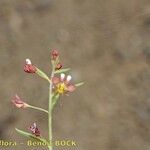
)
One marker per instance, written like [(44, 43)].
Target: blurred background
[(107, 45)]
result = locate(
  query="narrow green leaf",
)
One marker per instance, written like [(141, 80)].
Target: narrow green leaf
[(79, 84), (62, 70), (42, 74), (23, 133), (29, 135)]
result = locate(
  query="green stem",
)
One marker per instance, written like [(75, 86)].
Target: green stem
[(38, 108), (50, 110)]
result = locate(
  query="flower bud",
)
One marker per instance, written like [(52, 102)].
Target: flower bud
[(34, 129), (16, 100), (58, 66), (28, 67), (54, 54)]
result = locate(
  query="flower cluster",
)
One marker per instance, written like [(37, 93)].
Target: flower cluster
[(59, 84)]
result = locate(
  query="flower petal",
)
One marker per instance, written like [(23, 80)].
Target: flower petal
[(62, 76), (28, 61), (16, 97), (71, 88), (68, 79), (55, 80)]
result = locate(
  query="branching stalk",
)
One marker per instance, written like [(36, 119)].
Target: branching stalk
[(50, 110), (38, 108)]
